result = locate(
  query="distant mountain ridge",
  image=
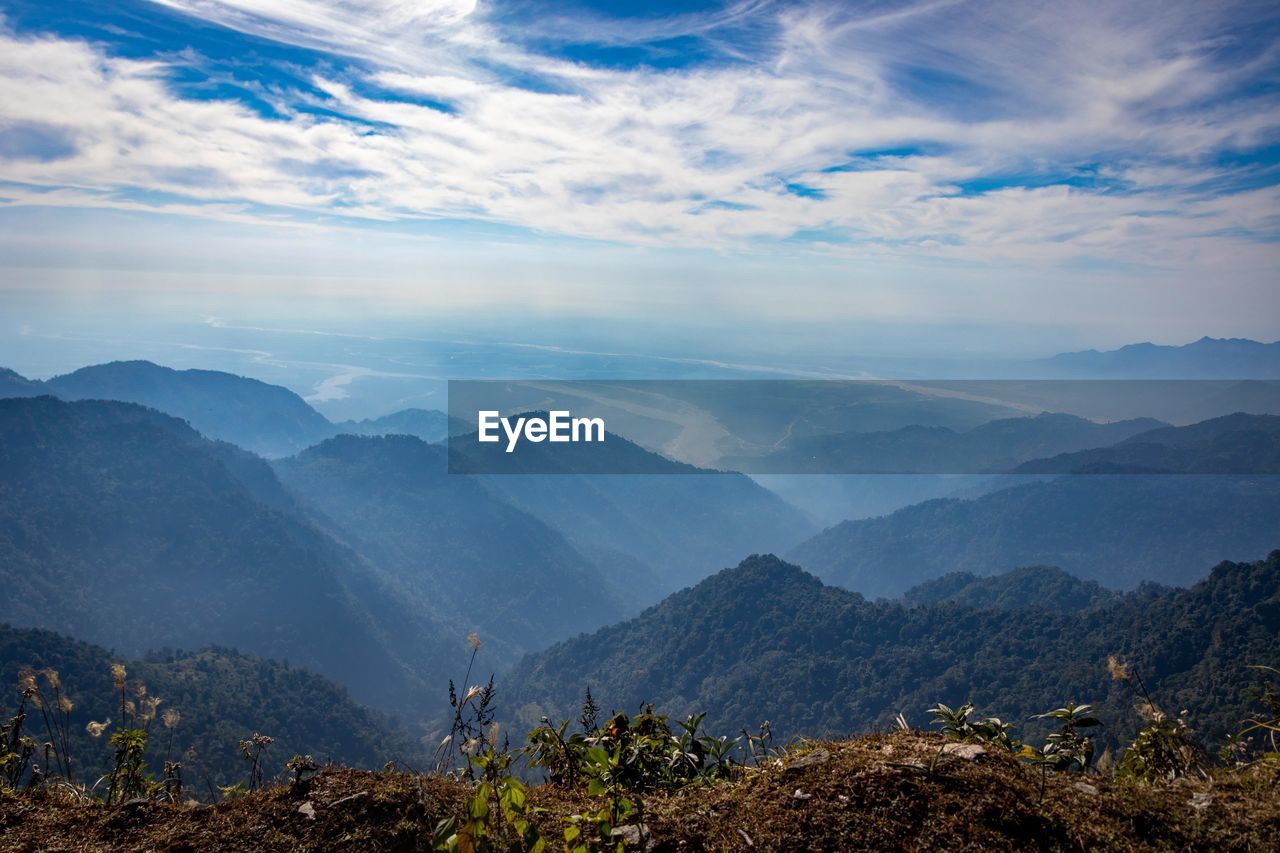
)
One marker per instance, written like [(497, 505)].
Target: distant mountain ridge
[(1234, 444), (1207, 358), (996, 446), (1118, 530), (267, 419)]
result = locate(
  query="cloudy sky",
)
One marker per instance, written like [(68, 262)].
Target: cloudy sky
[(1107, 171)]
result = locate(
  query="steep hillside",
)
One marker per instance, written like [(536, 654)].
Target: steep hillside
[(451, 542), (674, 526), (220, 696), (670, 519), (123, 527), (1117, 530), (767, 641)]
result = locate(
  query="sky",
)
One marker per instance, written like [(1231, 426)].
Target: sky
[(1009, 177)]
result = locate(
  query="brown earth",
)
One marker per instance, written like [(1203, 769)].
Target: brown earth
[(902, 791)]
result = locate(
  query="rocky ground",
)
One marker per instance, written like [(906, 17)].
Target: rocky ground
[(896, 791)]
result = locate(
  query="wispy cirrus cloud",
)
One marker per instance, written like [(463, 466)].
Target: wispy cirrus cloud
[(1135, 133)]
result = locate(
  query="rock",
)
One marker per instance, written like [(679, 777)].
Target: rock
[(967, 751), (636, 836), (1086, 788), (801, 795), (356, 796), (811, 759), (307, 810)]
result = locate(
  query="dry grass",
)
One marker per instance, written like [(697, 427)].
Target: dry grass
[(876, 792)]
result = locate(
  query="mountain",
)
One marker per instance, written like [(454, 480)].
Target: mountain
[(14, 385), (1117, 530), (1029, 587), (124, 527), (430, 425), (991, 447), (767, 641), (654, 530), (1234, 444), (221, 697), (832, 498), (266, 419), (1207, 358), (451, 541)]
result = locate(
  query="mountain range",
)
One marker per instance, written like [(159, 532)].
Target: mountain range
[(1207, 358), (452, 543), (355, 553), (128, 529), (267, 419), (1118, 530), (768, 641), (995, 446), (1234, 444)]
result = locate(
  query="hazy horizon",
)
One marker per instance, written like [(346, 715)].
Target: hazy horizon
[(793, 185)]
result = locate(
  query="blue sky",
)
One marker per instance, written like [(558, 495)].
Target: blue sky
[(1107, 170)]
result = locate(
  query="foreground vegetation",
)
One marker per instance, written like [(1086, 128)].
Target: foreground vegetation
[(642, 782), (902, 790)]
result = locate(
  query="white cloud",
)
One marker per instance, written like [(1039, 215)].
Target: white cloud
[(698, 156)]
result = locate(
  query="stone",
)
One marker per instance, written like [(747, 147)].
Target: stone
[(636, 836), (967, 751), (811, 759)]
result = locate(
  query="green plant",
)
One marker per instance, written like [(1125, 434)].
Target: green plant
[(759, 746), (1069, 748), (1267, 725), (129, 778), (1163, 748), (627, 757), (498, 813), (593, 830), (959, 725)]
